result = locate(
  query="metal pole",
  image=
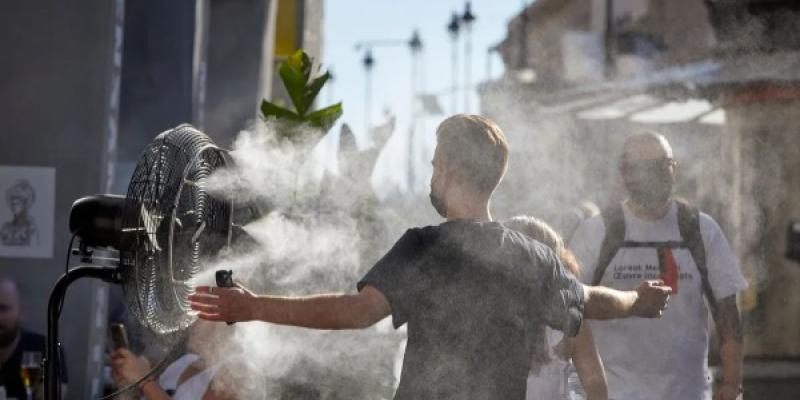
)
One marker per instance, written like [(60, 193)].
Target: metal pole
[(368, 61), (453, 28), (52, 364), (454, 106), (488, 68), (608, 41), (415, 45), (467, 19), (467, 66), (331, 83)]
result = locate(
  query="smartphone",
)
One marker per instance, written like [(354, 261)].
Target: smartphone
[(224, 279), (119, 335)]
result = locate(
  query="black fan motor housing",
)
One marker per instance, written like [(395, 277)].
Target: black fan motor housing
[(97, 220)]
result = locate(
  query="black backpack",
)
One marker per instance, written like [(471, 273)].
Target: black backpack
[(689, 227)]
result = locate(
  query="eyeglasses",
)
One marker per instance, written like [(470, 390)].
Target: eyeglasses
[(653, 165)]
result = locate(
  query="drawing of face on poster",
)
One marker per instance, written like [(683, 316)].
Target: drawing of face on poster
[(27, 211), (21, 230)]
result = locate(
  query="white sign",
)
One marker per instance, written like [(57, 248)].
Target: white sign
[(27, 211)]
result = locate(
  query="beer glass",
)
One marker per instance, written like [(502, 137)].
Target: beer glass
[(31, 369)]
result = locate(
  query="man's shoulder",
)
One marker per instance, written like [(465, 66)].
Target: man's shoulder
[(421, 234), (707, 221), (32, 340)]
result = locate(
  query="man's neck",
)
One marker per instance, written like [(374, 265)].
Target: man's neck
[(478, 210), (649, 213), (7, 351)]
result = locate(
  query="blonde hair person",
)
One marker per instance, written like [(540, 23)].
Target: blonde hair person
[(548, 377)]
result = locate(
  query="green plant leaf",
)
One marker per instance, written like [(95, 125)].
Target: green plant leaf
[(326, 117), (313, 88), (272, 110), (295, 72)]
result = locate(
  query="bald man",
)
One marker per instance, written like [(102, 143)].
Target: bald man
[(14, 341), (650, 235)]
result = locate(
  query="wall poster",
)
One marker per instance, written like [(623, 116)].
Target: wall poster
[(27, 211)]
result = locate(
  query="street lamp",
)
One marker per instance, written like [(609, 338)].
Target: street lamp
[(467, 20), (415, 45), (331, 83), (453, 28), (368, 61)]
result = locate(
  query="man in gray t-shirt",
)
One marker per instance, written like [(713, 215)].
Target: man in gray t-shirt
[(465, 288)]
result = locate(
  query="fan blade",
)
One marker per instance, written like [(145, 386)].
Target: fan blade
[(151, 222)]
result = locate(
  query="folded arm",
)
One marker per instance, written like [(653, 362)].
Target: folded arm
[(324, 311)]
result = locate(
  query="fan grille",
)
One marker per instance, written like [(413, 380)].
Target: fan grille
[(170, 225)]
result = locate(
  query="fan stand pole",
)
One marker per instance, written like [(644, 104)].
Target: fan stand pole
[(51, 362)]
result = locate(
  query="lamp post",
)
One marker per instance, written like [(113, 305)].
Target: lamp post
[(489, 52), (467, 20), (609, 41), (453, 28), (368, 61), (331, 82), (415, 46)]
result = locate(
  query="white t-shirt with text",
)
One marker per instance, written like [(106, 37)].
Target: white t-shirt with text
[(663, 358)]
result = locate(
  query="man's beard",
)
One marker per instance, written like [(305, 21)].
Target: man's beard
[(7, 336), (439, 205), (649, 193)]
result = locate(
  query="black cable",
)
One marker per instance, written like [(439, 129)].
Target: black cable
[(69, 252), (66, 270)]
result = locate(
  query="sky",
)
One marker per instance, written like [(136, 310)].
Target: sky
[(347, 22)]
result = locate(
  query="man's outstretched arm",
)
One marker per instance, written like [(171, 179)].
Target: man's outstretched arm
[(648, 300), (324, 311)]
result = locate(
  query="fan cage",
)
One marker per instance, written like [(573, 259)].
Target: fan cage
[(171, 225)]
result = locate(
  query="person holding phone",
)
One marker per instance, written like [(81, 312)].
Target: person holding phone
[(199, 374)]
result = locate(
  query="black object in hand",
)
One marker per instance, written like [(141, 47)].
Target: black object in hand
[(119, 335), (224, 279)]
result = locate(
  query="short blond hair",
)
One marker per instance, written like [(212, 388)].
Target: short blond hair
[(476, 147)]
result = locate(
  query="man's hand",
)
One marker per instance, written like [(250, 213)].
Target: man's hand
[(236, 304), (651, 299), (727, 391)]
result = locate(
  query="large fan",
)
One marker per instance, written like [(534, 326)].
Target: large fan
[(166, 225)]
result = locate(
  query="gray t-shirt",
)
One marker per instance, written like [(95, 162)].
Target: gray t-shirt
[(476, 297)]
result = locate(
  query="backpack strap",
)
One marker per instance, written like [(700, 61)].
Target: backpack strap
[(614, 221), (689, 226)]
